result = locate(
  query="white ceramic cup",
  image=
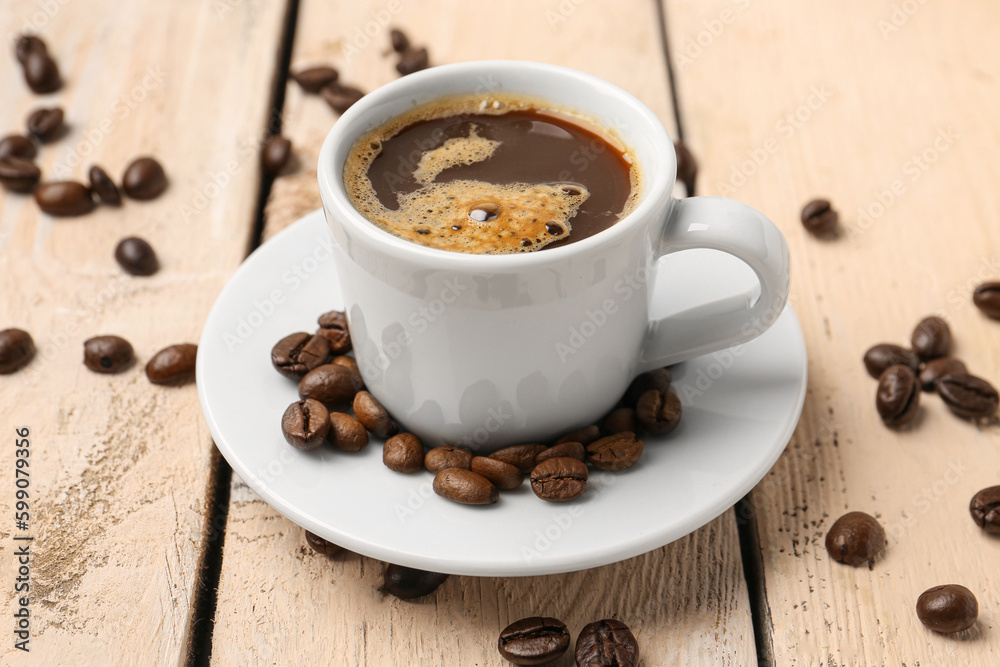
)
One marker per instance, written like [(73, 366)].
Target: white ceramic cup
[(493, 350)]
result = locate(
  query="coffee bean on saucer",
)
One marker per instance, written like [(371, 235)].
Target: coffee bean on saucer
[(502, 475), (319, 545), (935, 369), (45, 123), (658, 412), (136, 256), (880, 357), (18, 174), (41, 72), (305, 424), (340, 98), (949, 608), (968, 396), (296, 354), (818, 217), (533, 641), (375, 418), (330, 384), (584, 436), (985, 509), (622, 419), (274, 156), (103, 187), (412, 60), (559, 479), (440, 458), (314, 79), (349, 363), (898, 397), (521, 457), (346, 433), (400, 42), (16, 349), (464, 486), (573, 450), (64, 198), (409, 583), (26, 44), (658, 378), (987, 299), (606, 643), (17, 145), (855, 538), (615, 452), (404, 453), (931, 338), (108, 354), (333, 327), (144, 178), (687, 167), (173, 365)]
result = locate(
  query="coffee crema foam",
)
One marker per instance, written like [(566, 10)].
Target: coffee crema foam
[(469, 216)]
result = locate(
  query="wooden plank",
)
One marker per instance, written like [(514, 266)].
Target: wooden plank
[(885, 109), (119, 467), (280, 603)]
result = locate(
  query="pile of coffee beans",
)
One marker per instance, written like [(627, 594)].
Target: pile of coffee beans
[(537, 640), (324, 81), (411, 58)]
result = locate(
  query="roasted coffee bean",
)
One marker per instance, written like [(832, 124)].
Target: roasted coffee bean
[(103, 187), (17, 145), (333, 327), (330, 384), (296, 354), (935, 369), (606, 643), (818, 217), (968, 396), (881, 356), (314, 79), (399, 40), (446, 456), (620, 420), (346, 433), (144, 178), (985, 509), (41, 72), (615, 452), (987, 299), (559, 479), (502, 475), (412, 60), (521, 457), (573, 450), (305, 424), (349, 363), (18, 174), (26, 44), (948, 608), (173, 365), (341, 98), (64, 198), (533, 641), (108, 354), (931, 338), (403, 453), (136, 256), (45, 123), (898, 397), (275, 154), (658, 379), (658, 412), (16, 350), (374, 417), (319, 545), (408, 583), (855, 538), (584, 436), (464, 486), (687, 167)]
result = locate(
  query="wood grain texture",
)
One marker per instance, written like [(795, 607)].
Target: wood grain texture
[(280, 603), (119, 467), (886, 109)]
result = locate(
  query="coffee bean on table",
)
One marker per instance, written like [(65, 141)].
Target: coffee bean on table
[(296, 354), (26, 44), (881, 356), (45, 123), (987, 299), (274, 156), (584, 436), (144, 178), (533, 641), (446, 456), (17, 145), (521, 457), (409, 583), (606, 643), (375, 418), (985, 509), (108, 354), (64, 198), (898, 397), (464, 486), (305, 424), (136, 256), (346, 433), (319, 545), (330, 384), (16, 349), (658, 378), (931, 338), (412, 60), (855, 538), (573, 450), (658, 412), (559, 479), (173, 365), (404, 453), (349, 363), (340, 98), (687, 167), (818, 217), (968, 396), (399, 40), (41, 72), (620, 420), (615, 452), (333, 327), (935, 369), (949, 608), (103, 187), (18, 174), (502, 475), (313, 79)]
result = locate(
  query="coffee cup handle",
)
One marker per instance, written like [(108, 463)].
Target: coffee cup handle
[(722, 224)]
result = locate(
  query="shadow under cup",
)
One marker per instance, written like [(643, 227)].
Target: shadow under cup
[(491, 350)]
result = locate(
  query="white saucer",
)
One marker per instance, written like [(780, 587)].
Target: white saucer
[(739, 413)]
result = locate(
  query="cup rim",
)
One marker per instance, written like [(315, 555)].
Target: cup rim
[(352, 124)]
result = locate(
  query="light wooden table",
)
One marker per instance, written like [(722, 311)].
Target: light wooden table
[(147, 551)]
